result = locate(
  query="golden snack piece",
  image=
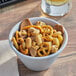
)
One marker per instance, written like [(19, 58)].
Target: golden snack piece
[(20, 40), (33, 51), (28, 42), (47, 38), (43, 52), (54, 49), (25, 51), (40, 23), (38, 39), (33, 31), (34, 43), (17, 35), (60, 38), (50, 44), (48, 30), (56, 42), (44, 45), (23, 32), (15, 43), (23, 45), (56, 34)]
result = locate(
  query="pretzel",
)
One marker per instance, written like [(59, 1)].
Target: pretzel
[(48, 30), (43, 52), (25, 51), (44, 45)]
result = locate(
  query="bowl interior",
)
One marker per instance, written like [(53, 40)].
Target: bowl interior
[(34, 20)]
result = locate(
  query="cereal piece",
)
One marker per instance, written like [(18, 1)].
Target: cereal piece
[(36, 32), (38, 39), (59, 28), (28, 42), (33, 51), (33, 38), (36, 47), (28, 34), (60, 38), (34, 43), (57, 33), (23, 45), (56, 42), (54, 49), (33, 31), (23, 32), (50, 44), (25, 22), (40, 23), (47, 38)]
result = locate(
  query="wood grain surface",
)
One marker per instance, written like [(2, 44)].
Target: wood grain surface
[(65, 65)]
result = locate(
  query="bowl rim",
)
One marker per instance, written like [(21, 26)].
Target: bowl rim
[(45, 57)]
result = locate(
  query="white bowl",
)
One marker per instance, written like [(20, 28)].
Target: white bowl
[(38, 63)]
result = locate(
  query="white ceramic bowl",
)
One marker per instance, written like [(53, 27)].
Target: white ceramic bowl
[(38, 63)]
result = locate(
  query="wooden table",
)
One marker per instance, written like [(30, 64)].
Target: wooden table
[(65, 65)]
